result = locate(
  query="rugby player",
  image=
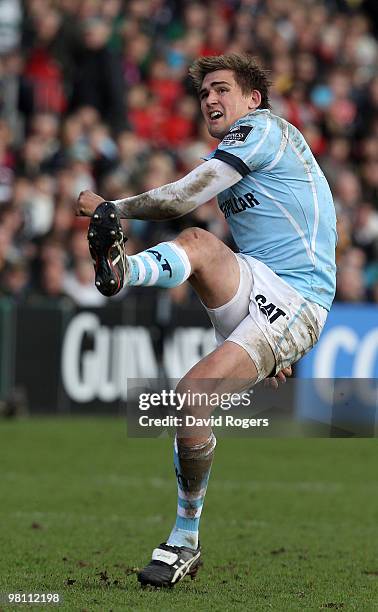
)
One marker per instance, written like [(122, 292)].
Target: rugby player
[(268, 302)]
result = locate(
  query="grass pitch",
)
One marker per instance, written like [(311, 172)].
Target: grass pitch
[(287, 524)]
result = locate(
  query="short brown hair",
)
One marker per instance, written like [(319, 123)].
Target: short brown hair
[(247, 73)]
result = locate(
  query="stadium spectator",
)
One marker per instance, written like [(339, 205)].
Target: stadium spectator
[(51, 284), (78, 284), (97, 79), (10, 25), (15, 279)]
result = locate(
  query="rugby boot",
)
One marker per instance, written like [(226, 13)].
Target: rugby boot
[(107, 248), (169, 565)]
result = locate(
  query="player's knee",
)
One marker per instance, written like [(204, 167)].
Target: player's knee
[(192, 236), (198, 243)]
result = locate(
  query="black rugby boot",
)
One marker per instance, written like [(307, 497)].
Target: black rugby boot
[(169, 565), (107, 248)]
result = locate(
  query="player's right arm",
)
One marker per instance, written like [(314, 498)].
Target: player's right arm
[(173, 200)]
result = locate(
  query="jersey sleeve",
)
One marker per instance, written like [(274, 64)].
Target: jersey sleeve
[(249, 145)]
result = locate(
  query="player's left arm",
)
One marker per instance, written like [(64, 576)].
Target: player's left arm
[(172, 200)]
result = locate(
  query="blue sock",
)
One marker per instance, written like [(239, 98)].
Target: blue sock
[(192, 466), (165, 265)]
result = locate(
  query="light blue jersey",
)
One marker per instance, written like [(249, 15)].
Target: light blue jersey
[(281, 212)]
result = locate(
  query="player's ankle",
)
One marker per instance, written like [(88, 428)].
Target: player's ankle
[(182, 537)]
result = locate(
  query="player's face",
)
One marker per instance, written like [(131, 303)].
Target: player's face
[(223, 102)]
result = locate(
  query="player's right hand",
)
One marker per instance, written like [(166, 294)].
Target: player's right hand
[(274, 381), (87, 203)]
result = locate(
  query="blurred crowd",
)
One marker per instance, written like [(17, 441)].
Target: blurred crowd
[(94, 94)]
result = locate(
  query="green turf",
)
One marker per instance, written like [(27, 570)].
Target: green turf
[(288, 524)]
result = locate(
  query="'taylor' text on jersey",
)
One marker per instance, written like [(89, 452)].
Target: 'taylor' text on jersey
[(234, 205)]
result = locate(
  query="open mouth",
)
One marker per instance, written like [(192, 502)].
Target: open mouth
[(215, 115)]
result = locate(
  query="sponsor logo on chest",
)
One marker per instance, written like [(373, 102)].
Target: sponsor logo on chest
[(234, 205)]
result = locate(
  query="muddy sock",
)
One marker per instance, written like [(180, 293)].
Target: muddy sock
[(192, 465)]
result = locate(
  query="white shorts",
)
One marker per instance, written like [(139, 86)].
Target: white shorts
[(274, 323)]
